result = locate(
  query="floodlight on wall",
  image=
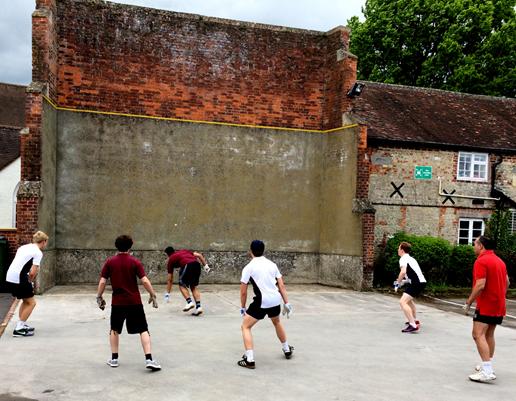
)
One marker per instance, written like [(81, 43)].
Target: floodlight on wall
[(356, 90)]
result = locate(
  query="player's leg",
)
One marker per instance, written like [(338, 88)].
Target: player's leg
[(407, 311), (247, 360), (490, 338), (183, 287), (197, 297), (137, 324), (117, 319), (25, 292), (282, 336), (479, 336)]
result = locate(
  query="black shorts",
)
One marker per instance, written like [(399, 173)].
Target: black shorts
[(134, 318), (259, 313), (21, 291), (189, 275), (477, 317), (415, 290)]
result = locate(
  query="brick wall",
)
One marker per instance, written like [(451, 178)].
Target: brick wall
[(135, 60), (418, 208)]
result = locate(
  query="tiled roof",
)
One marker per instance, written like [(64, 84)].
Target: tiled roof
[(9, 145), (395, 113), (12, 105)]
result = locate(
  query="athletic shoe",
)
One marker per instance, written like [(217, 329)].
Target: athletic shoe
[(23, 332), (113, 363), (245, 363), (26, 326), (482, 377), (410, 329), (198, 311), (418, 323), (188, 306), (152, 365), (288, 354), (478, 368)]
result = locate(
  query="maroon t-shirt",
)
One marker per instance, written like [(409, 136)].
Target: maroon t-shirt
[(180, 259), (123, 271)]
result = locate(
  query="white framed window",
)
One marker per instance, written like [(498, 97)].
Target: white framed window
[(469, 230), (512, 221), (472, 166)]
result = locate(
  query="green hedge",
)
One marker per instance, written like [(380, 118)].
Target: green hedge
[(441, 263)]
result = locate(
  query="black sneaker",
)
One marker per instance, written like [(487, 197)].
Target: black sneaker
[(410, 329), (288, 354), (245, 363), (23, 332), (26, 326)]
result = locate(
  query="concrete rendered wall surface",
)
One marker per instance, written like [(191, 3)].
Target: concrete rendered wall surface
[(47, 204), (206, 187)]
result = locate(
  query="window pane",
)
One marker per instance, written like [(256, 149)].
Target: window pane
[(480, 158), (477, 225), (463, 241), (464, 224)]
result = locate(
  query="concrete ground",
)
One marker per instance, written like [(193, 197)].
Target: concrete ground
[(348, 346)]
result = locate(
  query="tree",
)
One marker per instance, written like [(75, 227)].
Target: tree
[(460, 45)]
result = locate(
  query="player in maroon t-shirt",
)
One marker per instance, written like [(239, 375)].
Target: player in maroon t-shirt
[(189, 266), (490, 282), (123, 270)]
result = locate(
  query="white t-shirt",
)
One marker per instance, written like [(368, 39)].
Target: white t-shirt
[(414, 272), (263, 274), (26, 256)]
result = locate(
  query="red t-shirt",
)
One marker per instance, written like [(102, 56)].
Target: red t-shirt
[(491, 301), (180, 259), (123, 271)]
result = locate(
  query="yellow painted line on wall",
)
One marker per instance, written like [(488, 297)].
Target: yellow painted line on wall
[(111, 113)]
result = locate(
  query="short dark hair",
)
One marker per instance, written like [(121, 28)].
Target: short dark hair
[(257, 247), (169, 250), (406, 246), (487, 243), (123, 243)]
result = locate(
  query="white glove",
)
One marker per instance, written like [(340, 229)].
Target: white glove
[(396, 285), (242, 312), (100, 302), (167, 297), (403, 282), (466, 307), (207, 268), (287, 310), (153, 300)]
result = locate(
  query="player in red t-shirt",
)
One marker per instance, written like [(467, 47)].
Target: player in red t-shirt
[(189, 266), (490, 283), (123, 270)]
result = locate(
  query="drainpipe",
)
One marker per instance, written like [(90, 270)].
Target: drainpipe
[(493, 176)]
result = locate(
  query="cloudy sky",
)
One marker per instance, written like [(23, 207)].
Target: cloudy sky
[(321, 15)]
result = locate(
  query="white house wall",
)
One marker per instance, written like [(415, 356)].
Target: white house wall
[(9, 178)]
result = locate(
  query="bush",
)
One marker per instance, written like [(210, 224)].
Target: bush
[(431, 253), (460, 268)]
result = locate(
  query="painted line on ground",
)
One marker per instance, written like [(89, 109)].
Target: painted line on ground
[(459, 305)]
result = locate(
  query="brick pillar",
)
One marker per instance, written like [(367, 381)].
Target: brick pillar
[(363, 206), (44, 73)]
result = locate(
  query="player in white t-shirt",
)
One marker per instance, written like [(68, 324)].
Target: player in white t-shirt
[(269, 290), (21, 277), (410, 272)]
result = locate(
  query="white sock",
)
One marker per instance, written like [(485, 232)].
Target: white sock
[(249, 354), (285, 346), (20, 325), (413, 324), (487, 367)]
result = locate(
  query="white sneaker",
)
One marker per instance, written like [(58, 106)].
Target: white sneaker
[(478, 368), (113, 363), (198, 311), (188, 306), (482, 377), (152, 365)]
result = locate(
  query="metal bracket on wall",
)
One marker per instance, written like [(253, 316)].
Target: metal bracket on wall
[(452, 194)]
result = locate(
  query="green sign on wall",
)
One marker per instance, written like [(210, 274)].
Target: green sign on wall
[(423, 173)]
